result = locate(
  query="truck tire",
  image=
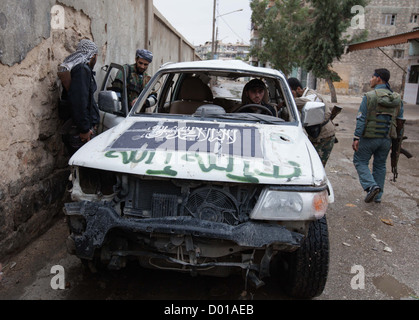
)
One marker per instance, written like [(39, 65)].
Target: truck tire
[(303, 273)]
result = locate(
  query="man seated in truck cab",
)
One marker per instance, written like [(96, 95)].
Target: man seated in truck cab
[(256, 93)]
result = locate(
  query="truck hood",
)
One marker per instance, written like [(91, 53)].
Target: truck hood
[(205, 150)]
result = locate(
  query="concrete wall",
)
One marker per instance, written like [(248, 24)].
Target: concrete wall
[(356, 68), (169, 43), (35, 36)]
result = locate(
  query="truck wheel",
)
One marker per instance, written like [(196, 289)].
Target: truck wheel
[(303, 273)]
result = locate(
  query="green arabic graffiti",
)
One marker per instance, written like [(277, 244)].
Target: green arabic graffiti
[(247, 176), (132, 157), (275, 174), (167, 171)]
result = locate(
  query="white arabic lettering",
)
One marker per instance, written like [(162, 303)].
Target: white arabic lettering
[(228, 136)]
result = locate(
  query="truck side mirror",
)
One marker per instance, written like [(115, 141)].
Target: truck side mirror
[(313, 113), (108, 101)]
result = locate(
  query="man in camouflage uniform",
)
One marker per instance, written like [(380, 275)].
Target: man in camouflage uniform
[(137, 78), (325, 141)]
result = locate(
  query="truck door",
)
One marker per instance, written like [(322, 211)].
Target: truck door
[(113, 97)]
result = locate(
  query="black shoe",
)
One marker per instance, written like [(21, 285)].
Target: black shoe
[(372, 193)]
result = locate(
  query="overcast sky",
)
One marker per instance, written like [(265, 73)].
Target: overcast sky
[(193, 19)]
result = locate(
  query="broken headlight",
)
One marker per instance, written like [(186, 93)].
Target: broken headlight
[(290, 205)]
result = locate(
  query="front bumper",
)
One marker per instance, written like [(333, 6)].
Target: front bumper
[(100, 218)]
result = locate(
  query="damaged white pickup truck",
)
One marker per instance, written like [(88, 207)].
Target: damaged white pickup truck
[(195, 179)]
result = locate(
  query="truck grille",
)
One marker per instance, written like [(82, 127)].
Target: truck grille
[(229, 204), (164, 205)]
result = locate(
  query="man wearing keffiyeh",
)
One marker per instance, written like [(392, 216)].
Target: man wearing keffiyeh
[(86, 49), (84, 110)]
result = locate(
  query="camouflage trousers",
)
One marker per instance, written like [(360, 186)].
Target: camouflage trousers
[(324, 148)]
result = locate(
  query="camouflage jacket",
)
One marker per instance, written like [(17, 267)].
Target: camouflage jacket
[(135, 82), (327, 130)]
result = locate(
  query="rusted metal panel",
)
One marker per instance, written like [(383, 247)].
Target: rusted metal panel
[(383, 42)]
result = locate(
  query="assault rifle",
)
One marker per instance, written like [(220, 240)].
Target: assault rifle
[(396, 148)]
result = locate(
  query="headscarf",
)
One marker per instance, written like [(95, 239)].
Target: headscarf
[(86, 49), (255, 83), (144, 54)]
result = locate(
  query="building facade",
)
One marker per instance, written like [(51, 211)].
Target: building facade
[(223, 51), (381, 18), (411, 90)]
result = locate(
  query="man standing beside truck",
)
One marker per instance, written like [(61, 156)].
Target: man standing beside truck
[(79, 86), (322, 136), (137, 77)]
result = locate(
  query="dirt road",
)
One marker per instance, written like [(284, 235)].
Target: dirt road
[(373, 246)]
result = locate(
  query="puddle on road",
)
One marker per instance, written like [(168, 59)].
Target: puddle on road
[(390, 286)]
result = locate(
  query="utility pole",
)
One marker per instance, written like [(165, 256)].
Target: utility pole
[(214, 35), (213, 31)]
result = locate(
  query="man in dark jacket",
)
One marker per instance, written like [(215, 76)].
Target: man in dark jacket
[(84, 110)]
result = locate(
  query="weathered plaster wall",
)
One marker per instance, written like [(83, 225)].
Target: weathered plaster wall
[(18, 31), (34, 39)]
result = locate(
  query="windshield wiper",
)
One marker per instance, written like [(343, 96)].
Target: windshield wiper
[(228, 116), (266, 118), (247, 116)]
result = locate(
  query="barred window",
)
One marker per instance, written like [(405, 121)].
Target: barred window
[(389, 19), (398, 54), (414, 18)]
